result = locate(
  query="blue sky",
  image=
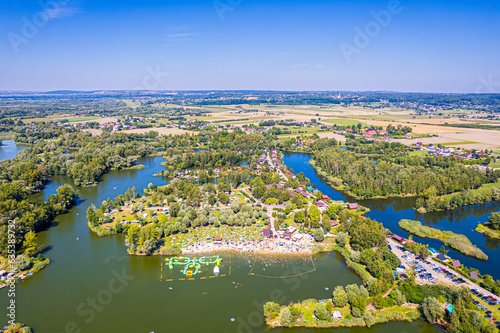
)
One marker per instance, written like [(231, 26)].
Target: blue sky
[(418, 46)]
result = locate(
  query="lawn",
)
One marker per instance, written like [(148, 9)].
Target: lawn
[(495, 312)]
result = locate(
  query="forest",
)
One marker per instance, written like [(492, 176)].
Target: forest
[(29, 217), (387, 175)]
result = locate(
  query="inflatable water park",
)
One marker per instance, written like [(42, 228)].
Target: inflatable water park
[(192, 266)]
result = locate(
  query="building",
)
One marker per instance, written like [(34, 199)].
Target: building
[(474, 275), (217, 240), (325, 198), (353, 205), (456, 263), (398, 239), (441, 257)]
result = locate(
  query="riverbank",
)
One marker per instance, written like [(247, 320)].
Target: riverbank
[(307, 315), (457, 242), (489, 192)]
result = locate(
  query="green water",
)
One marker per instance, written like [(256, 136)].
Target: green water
[(93, 286)]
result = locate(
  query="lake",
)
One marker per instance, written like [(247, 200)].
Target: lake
[(9, 150), (92, 285)]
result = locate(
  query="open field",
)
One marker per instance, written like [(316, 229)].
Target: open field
[(467, 138), (343, 122), (68, 118), (160, 130), (93, 131)]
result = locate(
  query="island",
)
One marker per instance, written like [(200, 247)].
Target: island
[(455, 241)]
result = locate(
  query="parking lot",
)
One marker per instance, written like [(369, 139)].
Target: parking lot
[(432, 272)]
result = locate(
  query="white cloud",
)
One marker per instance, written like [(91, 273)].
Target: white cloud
[(60, 9), (180, 37)]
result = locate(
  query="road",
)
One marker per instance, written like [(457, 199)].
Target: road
[(271, 164)]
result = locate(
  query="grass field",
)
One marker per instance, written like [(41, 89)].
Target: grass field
[(344, 122), (418, 153), (76, 120), (495, 312), (459, 143)]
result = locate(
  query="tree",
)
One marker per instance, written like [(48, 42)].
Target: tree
[(223, 197), (133, 235), (299, 216), (314, 213), (319, 235), (175, 209), (494, 221), (22, 263), (92, 217), (322, 312), (235, 207), (476, 320), (341, 239), (149, 246), (369, 319), (443, 250), (339, 297), (30, 243), (400, 298), (271, 310), (286, 318), (432, 310), (356, 312), (326, 223)]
